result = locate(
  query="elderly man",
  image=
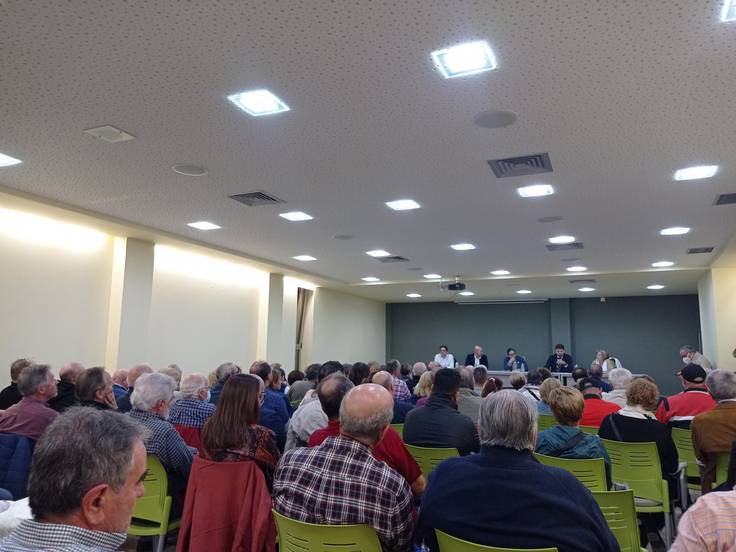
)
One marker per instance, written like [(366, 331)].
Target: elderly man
[(438, 423), (596, 372), (476, 358), (89, 508), (274, 413), (193, 408), (124, 404), (174, 372), (690, 355), (222, 372), (120, 383), (416, 372), (715, 431), (401, 408), (564, 512), (620, 379), (31, 416), (401, 391), (468, 400), (679, 410), (340, 482), (10, 395), (66, 394), (94, 388), (596, 409)]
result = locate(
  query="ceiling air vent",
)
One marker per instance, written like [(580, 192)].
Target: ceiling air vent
[(583, 281), (697, 250), (254, 199), (521, 166), (564, 246), (393, 259), (725, 199)]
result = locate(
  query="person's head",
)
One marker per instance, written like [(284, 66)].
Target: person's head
[(534, 377), (393, 367), (480, 376), (423, 388), (511, 352), (687, 352), (365, 413), (590, 386), (601, 355), (238, 407), (120, 377), (595, 371), (559, 350), (432, 365), (466, 378), (544, 372), (358, 373), (693, 376), (312, 373), (88, 470), (418, 369), (491, 386), (174, 372), (263, 370), (385, 380), (548, 385), (37, 381), (477, 350), (517, 380), (212, 379), (443, 350), (276, 378), (195, 386), (566, 404), (507, 419), (331, 392), (721, 385), (329, 367), (153, 393), (70, 372), (579, 373), (619, 378), (405, 370), (94, 385), (17, 367), (137, 371), (294, 376), (446, 382), (643, 393), (225, 370)]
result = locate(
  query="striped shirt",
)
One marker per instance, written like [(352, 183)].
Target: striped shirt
[(165, 443), (708, 525), (401, 391), (33, 535)]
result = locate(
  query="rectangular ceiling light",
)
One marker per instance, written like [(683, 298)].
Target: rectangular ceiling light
[(696, 173), (305, 258), (463, 246), (204, 225), (258, 102), (729, 11), (7, 161), (465, 59), (378, 253), (109, 133), (296, 216), (403, 205), (536, 190)]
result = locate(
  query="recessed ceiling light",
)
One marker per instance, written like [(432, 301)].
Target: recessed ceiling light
[(305, 258), (403, 205), (536, 190), (557, 240), (204, 225), (378, 253), (729, 11), (674, 231), (258, 102), (7, 161), (586, 289), (413, 295), (371, 279), (189, 170), (467, 293), (109, 133), (295, 216), (655, 287), (495, 119), (523, 291), (696, 173), (432, 276), (576, 268), (500, 272), (469, 58), (462, 246), (662, 264)]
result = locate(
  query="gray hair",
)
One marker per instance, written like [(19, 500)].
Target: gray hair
[(369, 427), (619, 378), (137, 371), (418, 369), (224, 371), (150, 389), (689, 349), (192, 384), (174, 372), (92, 446), (721, 384), (508, 419), (517, 380), (466, 378), (32, 377)]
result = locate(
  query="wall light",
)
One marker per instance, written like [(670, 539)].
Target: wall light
[(38, 230), (204, 267)]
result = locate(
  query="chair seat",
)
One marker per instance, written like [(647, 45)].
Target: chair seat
[(646, 503), (142, 528)]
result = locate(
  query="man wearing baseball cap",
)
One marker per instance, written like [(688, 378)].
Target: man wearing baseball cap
[(595, 407), (679, 410)]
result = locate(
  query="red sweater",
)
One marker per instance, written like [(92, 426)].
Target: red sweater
[(595, 410), (680, 409)]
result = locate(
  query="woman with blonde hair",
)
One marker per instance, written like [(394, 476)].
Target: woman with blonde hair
[(423, 389), (544, 390)]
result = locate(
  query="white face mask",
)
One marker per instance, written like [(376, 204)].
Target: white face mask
[(686, 360), (209, 396)]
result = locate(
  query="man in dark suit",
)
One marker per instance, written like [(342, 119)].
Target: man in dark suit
[(560, 361), (477, 358)]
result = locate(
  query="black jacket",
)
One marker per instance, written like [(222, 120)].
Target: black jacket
[(551, 363), (439, 424), (66, 397), (401, 409), (470, 360), (9, 396)]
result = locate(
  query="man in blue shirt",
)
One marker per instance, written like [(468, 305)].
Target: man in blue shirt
[(274, 413)]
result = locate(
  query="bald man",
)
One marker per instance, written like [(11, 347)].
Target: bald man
[(133, 374), (120, 383), (335, 483), (401, 408), (66, 397)]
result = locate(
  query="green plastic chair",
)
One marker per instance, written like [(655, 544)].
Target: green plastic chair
[(429, 458), (452, 544), (683, 439), (295, 404), (545, 421), (297, 536), (722, 461), (589, 430), (152, 510), (590, 472), (399, 429), (620, 513)]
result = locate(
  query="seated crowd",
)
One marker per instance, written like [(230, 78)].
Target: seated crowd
[(324, 451)]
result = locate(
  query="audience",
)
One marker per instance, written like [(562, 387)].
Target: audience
[(416, 373), (401, 408), (690, 355), (491, 386), (596, 409), (544, 390), (278, 378), (596, 372), (232, 434), (223, 371), (503, 497), (715, 431), (708, 525), (295, 375), (513, 362), (274, 410), (120, 383), (87, 507), (620, 379), (32, 415), (480, 377), (517, 380), (579, 373), (299, 388), (66, 394), (94, 389), (358, 373), (679, 410), (423, 389), (438, 423), (401, 391), (468, 401), (174, 372), (531, 390), (10, 395), (134, 373), (193, 407), (340, 482)]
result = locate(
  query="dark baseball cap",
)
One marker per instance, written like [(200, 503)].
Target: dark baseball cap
[(589, 383), (694, 373)]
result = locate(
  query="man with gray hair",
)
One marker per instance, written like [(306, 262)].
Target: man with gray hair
[(223, 372), (192, 409), (619, 379), (31, 416), (416, 372), (134, 373), (10, 395), (564, 512), (401, 408), (174, 372), (715, 431), (120, 383), (86, 475), (401, 391), (690, 355), (340, 482)]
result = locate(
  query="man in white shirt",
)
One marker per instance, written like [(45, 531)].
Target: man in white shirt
[(444, 359), (690, 355)]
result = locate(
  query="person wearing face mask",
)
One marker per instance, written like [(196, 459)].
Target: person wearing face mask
[(513, 362), (690, 355), (190, 412)]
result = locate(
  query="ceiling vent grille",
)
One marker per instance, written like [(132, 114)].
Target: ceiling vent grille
[(564, 246), (582, 281), (255, 199), (521, 166), (698, 250), (394, 259), (725, 199)]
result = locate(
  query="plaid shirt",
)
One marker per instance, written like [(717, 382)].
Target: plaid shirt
[(191, 412), (32, 536), (340, 483), (401, 391), (165, 443)]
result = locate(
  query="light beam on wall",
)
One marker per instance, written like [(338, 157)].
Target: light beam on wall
[(204, 267)]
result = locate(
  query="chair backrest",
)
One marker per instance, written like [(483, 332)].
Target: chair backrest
[(153, 506), (452, 544), (637, 465), (620, 513), (192, 435), (683, 439), (295, 404), (429, 458), (399, 429), (545, 421), (722, 462), (590, 472), (298, 536), (589, 430)]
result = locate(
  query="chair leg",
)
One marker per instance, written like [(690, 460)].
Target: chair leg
[(159, 543), (684, 491), (668, 530)]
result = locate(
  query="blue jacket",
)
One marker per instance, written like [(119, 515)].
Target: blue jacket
[(16, 452), (401, 409), (505, 498), (119, 391), (124, 401), (520, 364), (215, 393), (551, 440), (274, 415), (552, 363)]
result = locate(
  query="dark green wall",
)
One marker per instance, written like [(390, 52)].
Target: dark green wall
[(645, 332)]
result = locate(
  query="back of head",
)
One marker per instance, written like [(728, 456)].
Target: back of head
[(174, 372), (237, 408), (567, 405), (17, 367), (393, 366), (32, 378), (365, 413), (225, 370), (433, 365), (642, 392), (424, 387), (383, 379), (517, 380), (331, 391), (329, 367), (534, 377), (619, 378), (358, 373), (120, 376), (507, 419), (262, 369), (192, 385), (90, 382), (312, 372), (151, 389), (137, 371), (548, 385), (70, 372), (480, 375), (466, 378), (721, 384), (93, 447), (446, 381), (294, 376), (405, 370), (595, 371), (579, 373), (418, 369), (546, 373), (491, 386)]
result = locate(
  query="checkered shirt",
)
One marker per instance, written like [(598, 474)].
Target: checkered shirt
[(34, 536), (191, 412), (340, 483), (401, 391), (165, 443)]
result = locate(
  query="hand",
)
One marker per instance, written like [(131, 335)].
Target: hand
[(110, 401)]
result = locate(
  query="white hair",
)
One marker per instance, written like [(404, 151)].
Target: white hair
[(508, 419), (619, 378), (150, 389), (192, 384), (721, 384), (418, 369), (174, 372)]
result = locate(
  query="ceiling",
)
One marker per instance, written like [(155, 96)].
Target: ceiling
[(620, 94)]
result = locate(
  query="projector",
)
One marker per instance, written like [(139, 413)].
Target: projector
[(456, 286)]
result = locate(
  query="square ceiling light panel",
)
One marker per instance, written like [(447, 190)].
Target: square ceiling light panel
[(258, 103), (465, 59)]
